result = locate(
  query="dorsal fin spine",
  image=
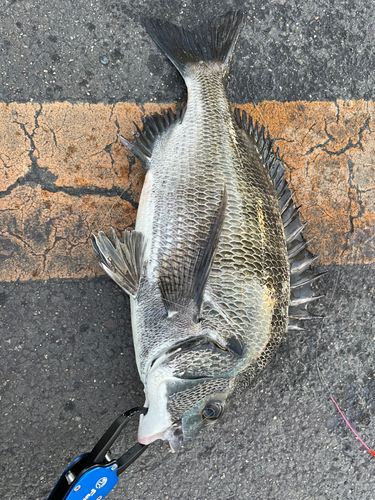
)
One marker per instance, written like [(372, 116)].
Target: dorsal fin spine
[(153, 127), (300, 257)]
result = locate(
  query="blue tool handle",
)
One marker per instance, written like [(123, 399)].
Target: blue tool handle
[(62, 486), (90, 476), (94, 484)]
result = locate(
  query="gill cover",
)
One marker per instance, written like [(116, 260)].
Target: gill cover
[(187, 388)]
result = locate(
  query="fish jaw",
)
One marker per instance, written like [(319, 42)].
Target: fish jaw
[(148, 430), (173, 434), (156, 423)]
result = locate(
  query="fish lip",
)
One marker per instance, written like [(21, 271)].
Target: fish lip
[(173, 434), (150, 439)]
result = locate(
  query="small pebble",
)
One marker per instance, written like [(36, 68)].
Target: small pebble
[(104, 60)]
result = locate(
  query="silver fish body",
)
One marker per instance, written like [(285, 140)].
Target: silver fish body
[(207, 267)]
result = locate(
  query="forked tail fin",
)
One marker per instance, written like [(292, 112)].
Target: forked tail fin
[(212, 41)]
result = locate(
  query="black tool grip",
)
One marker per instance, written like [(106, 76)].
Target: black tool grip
[(129, 457)]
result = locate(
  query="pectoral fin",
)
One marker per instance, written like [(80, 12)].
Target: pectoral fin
[(124, 261), (183, 275)]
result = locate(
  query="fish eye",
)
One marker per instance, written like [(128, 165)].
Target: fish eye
[(212, 411)]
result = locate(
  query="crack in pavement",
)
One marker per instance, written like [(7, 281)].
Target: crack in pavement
[(47, 180), (78, 178)]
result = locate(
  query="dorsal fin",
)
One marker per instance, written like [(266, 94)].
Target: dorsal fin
[(183, 275), (153, 127), (300, 257)]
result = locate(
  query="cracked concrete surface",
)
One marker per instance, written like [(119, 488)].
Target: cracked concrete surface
[(72, 176), (15, 145), (328, 148), (46, 235)]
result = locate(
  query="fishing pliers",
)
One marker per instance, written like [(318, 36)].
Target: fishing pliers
[(93, 475)]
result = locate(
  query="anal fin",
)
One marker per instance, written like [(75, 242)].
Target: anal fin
[(123, 262)]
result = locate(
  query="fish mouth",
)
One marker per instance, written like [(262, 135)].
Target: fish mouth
[(173, 435), (146, 440)]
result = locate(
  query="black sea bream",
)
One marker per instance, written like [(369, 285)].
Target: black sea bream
[(217, 246)]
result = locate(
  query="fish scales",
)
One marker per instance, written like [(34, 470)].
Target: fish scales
[(207, 267), (189, 165)]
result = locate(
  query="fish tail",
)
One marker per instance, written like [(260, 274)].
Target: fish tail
[(212, 42)]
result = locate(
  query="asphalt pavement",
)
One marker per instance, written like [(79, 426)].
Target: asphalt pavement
[(67, 362)]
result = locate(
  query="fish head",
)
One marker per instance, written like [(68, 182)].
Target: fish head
[(186, 389)]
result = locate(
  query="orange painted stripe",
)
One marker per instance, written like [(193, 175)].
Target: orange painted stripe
[(328, 149)]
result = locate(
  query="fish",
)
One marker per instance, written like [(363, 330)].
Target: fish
[(217, 268)]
